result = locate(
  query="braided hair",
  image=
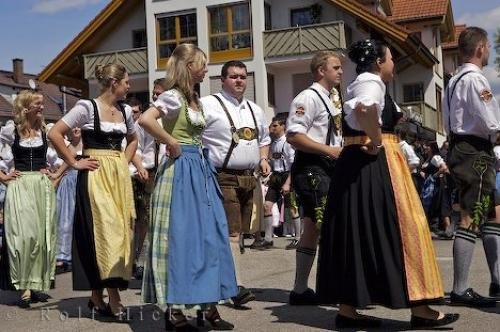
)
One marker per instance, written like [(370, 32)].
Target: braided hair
[(364, 53)]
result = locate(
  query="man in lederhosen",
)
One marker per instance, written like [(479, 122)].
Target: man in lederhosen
[(472, 118), (313, 128), (237, 137)]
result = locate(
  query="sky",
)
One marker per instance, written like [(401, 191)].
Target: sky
[(37, 30)]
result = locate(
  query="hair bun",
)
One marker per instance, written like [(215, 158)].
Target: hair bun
[(362, 51), (99, 72)]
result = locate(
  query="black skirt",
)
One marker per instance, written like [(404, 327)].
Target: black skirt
[(5, 281), (360, 257)]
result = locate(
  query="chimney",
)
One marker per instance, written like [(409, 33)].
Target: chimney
[(18, 70)]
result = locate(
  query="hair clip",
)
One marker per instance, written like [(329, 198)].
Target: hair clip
[(362, 59)]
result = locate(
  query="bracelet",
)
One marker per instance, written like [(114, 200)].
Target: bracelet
[(263, 159)]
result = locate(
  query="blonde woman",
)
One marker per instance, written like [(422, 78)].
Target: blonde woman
[(189, 261), (30, 219), (104, 212)]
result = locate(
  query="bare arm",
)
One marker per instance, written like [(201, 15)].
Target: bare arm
[(131, 146), (148, 121), (264, 166)]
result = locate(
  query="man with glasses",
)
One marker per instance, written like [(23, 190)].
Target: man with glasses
[(237, 137)]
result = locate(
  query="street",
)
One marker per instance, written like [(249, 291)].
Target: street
[(270, 276)]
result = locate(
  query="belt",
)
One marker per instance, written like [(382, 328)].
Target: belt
[(246, 172), (363, 139), (477, 142)]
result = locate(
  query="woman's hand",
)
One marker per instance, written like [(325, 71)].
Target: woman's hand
[(89, 164), (142, 174), (174, 149), (7, 178), (371, 149), (285, 189)]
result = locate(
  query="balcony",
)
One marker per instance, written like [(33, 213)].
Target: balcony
[(134, 60), (305, 39), (423, 114)]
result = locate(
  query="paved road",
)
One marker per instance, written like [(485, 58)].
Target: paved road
[(270, 275)]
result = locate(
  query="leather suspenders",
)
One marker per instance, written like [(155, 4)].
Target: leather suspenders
[(330, 118), (234, 134)]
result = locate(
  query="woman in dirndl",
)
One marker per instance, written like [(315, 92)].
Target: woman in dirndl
[(189, 262), (375, 244), (28, 253), (104, 210)]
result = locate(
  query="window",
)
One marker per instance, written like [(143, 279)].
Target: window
[(267, 16), (271, 99), (439, 95), (172, 30), (413, 92), (301, 16), (230, 32), (139, 38)]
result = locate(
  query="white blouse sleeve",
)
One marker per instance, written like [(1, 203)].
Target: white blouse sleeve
[(129, 120), (53, 160), (437, 161), (368, 92), (79, 115), (7, 133), (169, 103), (6, 158)]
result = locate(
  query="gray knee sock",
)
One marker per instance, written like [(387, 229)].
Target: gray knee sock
[(268, 223), (296, 226), (491, 243), (235, 250), (463, 248), (304, 263)]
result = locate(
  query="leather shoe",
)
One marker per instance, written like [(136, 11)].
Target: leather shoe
[(495, 290), (471, 299), (342, 321), (420, 322), (308, 297), (244, 296)]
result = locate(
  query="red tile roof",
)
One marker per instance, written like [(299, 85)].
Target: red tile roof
[(404, 10), (51, 93), (458, 29)]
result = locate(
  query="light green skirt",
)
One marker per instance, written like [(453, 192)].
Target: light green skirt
[(30, 230)]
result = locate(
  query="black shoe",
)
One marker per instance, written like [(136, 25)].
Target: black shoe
[(292, 245), (471, 299), (244, 296), (24, 303), (257, 244), (342, 321), (267, 244), (308, 297), (420, 322), (178, 322), (63, 268), (39, 297), (494, 290), (214, 319), (106, 311)]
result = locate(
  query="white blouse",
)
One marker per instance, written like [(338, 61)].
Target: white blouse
[(7, 137), (368, 90), (170, 103), (82, 115)]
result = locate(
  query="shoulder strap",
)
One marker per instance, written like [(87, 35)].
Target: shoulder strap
[(450, 96), (254, 120), (233, 130), (97, 122), (330, 118)]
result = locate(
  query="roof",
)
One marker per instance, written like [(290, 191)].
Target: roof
[(454, 43), (418, 9), (51, 93), (68, 65), (401, 36)]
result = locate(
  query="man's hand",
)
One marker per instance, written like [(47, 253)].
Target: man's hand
[(264, 166), (334, 151)]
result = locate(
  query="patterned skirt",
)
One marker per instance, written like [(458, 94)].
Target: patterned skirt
[(104, 224), (28, 254), (189, 262)]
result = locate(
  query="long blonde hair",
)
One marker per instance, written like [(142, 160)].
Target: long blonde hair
[(22, 102), (178, 75)]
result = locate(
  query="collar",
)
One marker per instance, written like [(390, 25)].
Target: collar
[(320, 88), (233, 100), (471, 66), (280, 139)]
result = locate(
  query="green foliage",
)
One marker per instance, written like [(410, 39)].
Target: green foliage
[(480, 211)]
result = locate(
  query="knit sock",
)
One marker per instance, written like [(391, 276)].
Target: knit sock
[(235, 251), (491, 243), (268, 223), (463, 248), (296, 226), (304, 263)]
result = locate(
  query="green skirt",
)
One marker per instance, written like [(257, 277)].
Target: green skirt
[(30, 231)]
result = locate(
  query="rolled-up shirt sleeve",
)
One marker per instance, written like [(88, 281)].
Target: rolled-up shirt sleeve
[(79, 115), (169, 103), (264, 138), (369, 93), (302, 114), (484, 101)]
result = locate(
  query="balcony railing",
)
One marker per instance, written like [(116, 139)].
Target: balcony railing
[(134, 60), (304, 39), (422, 113)]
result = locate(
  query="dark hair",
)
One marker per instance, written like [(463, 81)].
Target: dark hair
[(232, 63), (364, 53), (468, 41), (159, 81), (434, 147), (280, 118), (133, 102)]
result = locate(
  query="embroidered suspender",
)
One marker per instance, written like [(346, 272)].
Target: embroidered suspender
[(235, 137), (330, 118)]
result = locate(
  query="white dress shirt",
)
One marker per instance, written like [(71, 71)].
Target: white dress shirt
[(217, 136), (308, 115), (474, 107), (145, 149), (368, 90), (411, 157), (282, 155)]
